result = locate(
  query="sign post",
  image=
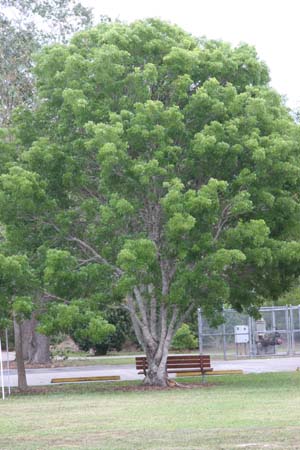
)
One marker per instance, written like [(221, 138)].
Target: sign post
[(1, 372), (7, 361)]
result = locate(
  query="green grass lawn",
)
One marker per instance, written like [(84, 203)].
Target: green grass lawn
[(232, 412)]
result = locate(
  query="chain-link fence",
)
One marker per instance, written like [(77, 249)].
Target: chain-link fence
[(277, 333)]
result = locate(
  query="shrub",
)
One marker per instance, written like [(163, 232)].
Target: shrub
[(184, 339)]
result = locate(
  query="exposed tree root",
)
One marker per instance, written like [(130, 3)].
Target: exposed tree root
[(173, 383)]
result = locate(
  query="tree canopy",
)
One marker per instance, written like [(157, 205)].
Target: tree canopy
[(159, 171)]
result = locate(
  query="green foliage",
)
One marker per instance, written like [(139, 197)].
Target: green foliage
[(114, 341), (291, 297), (16, 280), (159, 165), (184, 339), (23, 307), (76, 320), (137, 255)]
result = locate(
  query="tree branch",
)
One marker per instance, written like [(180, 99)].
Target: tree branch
[(153, 311), (87, 247), (84, 245), (184, 316), (141, 306), (143, 323), (171, 327), (48, 295), (163, 353), (163, 331), (83, 262), (56, 228), (137, 325), (167, 273), (222, 222)]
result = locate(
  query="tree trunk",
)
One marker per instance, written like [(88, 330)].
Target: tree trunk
[(36, 347), (22, 381), (154, 335), (154, 325), (157, 373)]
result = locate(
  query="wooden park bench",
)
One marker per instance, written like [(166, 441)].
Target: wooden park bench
[(179, 364)]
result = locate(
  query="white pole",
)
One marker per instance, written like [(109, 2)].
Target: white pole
[(7, 361), (1, 370)]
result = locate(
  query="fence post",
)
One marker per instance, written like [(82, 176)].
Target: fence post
[(7, 361), (200, 330), (1, 370), (288, 328)]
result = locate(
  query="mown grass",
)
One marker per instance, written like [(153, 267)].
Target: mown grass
[(249, 411)]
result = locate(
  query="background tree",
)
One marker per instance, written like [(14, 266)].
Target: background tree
[(166, 176), (184, 339), (52, 20), (25, 26), (16, 286), (122, 335), (290, 297)]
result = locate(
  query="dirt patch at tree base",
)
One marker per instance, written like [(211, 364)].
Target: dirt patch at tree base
[(106, 387)]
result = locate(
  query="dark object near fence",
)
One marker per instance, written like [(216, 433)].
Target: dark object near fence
[(266, 342)]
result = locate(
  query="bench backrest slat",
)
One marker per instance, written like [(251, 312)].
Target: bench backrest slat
[(176, 364)]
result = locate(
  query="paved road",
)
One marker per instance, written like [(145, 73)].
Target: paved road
[(43, 376), (127, 372)]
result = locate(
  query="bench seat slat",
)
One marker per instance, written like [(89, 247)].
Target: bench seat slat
[(208, 369), (181, 357), (188, 357)]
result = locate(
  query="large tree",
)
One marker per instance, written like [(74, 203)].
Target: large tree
[(165, 168)]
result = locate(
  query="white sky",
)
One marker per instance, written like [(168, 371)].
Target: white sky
[(272, 26)]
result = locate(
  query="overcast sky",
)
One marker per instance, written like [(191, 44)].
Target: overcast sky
[(272, 26)]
